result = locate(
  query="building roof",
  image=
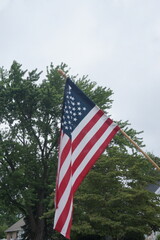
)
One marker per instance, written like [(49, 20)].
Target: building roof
[(154, 188), (16, 226)]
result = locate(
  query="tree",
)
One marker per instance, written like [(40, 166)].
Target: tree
[(30, 113), (114, 201)]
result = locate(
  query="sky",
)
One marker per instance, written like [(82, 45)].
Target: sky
[(115, 42)]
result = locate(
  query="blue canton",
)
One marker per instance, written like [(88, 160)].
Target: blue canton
[(76, 107)]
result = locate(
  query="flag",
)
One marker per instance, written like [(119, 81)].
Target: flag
[(85, 133)]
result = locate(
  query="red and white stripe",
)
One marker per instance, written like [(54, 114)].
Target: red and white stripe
[(76, 157)]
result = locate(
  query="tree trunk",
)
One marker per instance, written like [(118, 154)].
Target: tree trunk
[(40, 230), (36, 229)]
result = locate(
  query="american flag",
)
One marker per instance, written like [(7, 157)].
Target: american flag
[(85, 133)]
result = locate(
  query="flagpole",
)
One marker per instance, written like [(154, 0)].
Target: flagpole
[(140, 150), (135, 144)]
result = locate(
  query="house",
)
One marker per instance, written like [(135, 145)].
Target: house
[(15, 231)]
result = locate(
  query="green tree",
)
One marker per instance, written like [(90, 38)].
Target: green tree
[(3, 227), (114, 201), (30, 112)]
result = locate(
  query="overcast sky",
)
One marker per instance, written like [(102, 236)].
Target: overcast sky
[(115, 42)]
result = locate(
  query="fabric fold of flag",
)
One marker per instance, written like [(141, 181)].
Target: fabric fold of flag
[(85, 133)]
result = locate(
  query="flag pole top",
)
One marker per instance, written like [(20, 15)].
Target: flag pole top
[(60, 71)]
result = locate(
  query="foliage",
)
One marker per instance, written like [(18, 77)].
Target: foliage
[(113, 199), (134, 236), (3, 227), (30, 112)]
